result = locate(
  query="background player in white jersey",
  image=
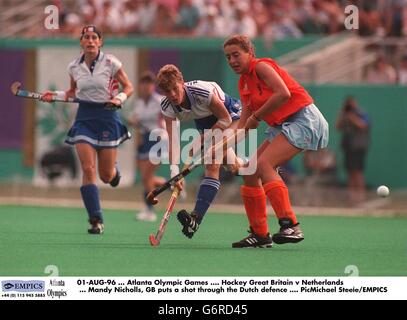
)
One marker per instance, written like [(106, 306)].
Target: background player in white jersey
[(96, 132), (147, 117), (210, 108)]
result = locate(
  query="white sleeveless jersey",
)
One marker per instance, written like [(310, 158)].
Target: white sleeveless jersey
[(99, 85), (148, 113), (199, 94)]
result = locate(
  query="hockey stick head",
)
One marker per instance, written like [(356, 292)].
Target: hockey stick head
[(153, 241), (15, 87), (151, 198)]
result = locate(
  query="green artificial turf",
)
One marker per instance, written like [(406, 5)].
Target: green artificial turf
[(32, 238)]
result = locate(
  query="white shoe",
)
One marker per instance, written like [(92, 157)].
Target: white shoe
[(146, 215)]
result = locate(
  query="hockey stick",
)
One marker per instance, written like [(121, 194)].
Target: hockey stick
[(151, 197), (15, 89), (155, 240)]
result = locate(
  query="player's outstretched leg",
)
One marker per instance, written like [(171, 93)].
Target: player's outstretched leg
[(289, 232), (189, 222), (254, 241)]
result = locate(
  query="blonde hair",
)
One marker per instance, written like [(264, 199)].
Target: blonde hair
[(242, 41), (168, 76)]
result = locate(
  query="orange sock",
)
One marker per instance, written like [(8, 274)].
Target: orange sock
[(277, 193), (254, 200)]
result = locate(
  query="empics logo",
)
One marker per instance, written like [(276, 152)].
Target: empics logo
[(23, 286), (8, 286)]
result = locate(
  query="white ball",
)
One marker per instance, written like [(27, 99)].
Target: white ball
[(383, 191)]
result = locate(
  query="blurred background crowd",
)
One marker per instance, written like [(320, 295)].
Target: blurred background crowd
[(267, 19), (219, 18)]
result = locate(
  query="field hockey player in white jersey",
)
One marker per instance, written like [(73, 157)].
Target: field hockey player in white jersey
[(146, 118), (210, 108), (97, 131)]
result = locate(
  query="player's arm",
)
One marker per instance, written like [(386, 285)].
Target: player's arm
[(280, 95), (220, 112), (127, 86), (49, 96)]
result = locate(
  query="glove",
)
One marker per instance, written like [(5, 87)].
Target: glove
[(174, 170)]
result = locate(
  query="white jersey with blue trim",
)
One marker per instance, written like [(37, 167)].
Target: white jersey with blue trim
[(199, 94), (97, 83)]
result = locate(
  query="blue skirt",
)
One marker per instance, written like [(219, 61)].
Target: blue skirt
[(98, 133)]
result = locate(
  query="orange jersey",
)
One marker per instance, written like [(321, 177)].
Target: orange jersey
[(254, 93)]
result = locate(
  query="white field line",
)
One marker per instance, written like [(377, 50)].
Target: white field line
[(225, 208)]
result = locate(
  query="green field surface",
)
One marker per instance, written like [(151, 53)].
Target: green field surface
[(33, 237)]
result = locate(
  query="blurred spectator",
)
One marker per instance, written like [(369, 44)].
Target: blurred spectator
[(163, 22), (88, 15), (130, 16), (187, 18), (72, 25), (304, 15), (259, 13), (243, 23), (109, 19), (396, 18), (281, 26), (335, 13), (370, 21), (147, 16), (402, 73), (355, 127), (381, 72), (212, 24)]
